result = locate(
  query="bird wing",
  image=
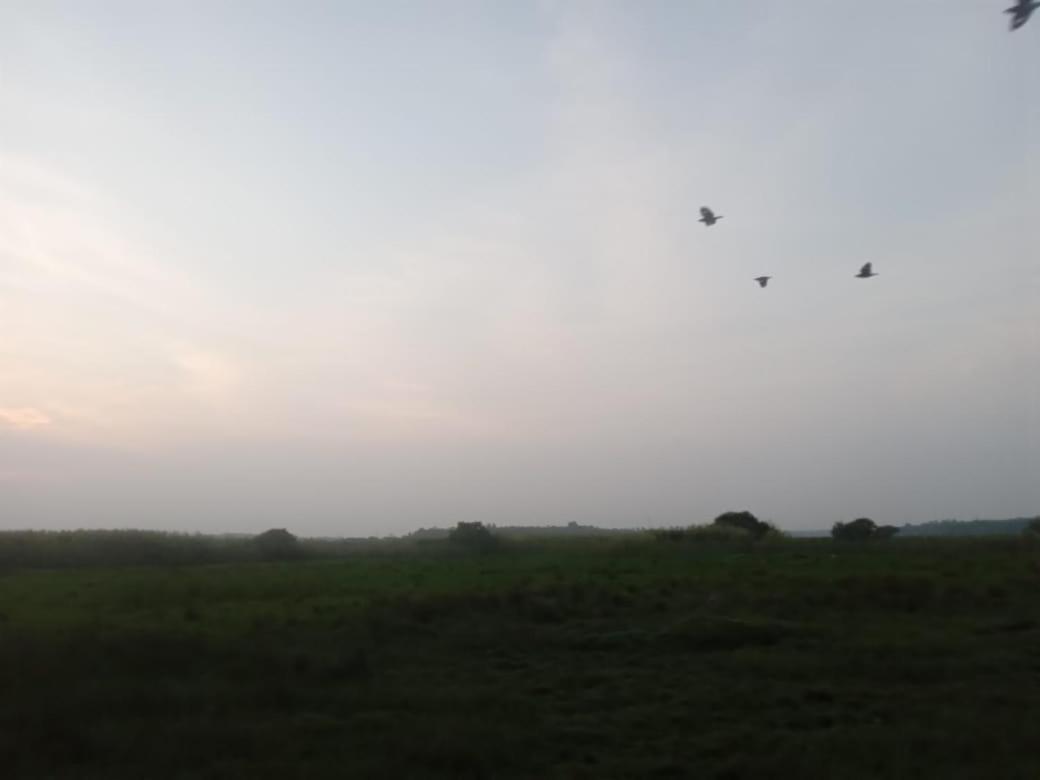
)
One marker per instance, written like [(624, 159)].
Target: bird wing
[(706, 212), (865, 269)]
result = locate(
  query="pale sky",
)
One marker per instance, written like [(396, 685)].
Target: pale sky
[(356, 268)]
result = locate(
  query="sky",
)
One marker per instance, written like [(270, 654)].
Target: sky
[(356, 268)]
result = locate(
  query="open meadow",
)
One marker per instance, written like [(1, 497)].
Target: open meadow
[(618, 657)]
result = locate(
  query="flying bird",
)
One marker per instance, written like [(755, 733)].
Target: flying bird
[(865, 272), (763, 280), (708, 216), (1021, 11)]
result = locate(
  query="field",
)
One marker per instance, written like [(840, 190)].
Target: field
[(588, 658)]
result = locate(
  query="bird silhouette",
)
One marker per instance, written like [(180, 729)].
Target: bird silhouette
[(865, 272), (708, 216), (1020, 12), (763, 280)]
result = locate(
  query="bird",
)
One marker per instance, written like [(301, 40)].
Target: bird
[(865, 272), (763, 280), (708, 216), (1020, 12)]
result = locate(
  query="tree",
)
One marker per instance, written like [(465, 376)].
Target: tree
[(475, 536), (862, 529), (277, 544), (1033, 529), (745, 521)]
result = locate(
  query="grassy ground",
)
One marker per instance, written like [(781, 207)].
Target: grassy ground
[(594, 658)]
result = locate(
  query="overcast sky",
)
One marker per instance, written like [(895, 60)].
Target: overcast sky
[(356, 268)]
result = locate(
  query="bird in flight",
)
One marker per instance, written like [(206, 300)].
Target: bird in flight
[(866, 272), (763, 280), (1021, 11), (708, 216)]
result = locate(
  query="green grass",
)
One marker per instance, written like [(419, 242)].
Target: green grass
[(586, 658)]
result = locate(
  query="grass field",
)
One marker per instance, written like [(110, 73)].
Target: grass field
[(585, 658)]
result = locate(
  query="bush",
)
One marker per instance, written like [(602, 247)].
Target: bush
[(53, 549), (744, 521), (702, 534), (862, 529), (473, 536), (669, 534), (277, 544)]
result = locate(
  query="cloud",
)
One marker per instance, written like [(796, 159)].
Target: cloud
[(206, 376), (24, 418), (91, 312), (58, 237)]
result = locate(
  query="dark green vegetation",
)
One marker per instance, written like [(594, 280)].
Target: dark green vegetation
[(707, 656), (745, 521), (61, 549), (862, 529), (278, 544), (473, 536), (1009, 527)]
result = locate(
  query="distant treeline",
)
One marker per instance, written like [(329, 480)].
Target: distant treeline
[(123, 547), (66, 549), (63, 549), (1009, 527), (526, 531)]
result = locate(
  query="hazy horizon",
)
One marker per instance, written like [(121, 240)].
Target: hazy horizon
[(355, 269)]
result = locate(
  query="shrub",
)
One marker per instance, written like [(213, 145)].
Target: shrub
[(669, 534), (277, 544), (124, 547), (862, 529), (702, 534), (473, 536), (745, 521)]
